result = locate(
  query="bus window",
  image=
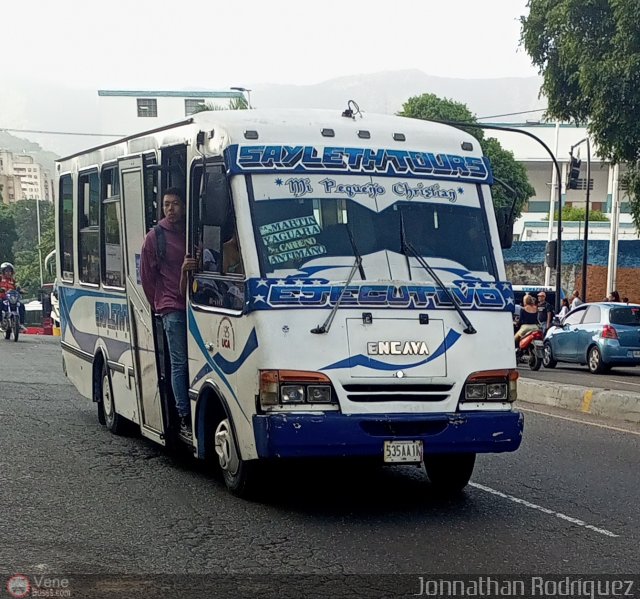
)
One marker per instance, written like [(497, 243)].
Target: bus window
[(66, 228), (112, 272), (88, 227)]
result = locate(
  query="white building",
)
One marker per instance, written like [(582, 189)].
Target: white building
[(124, 112), (22, 178), (607, 193)]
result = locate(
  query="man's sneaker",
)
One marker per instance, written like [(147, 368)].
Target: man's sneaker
[(23, 329), (185, 427)]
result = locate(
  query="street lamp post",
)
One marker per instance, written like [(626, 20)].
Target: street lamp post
[(243, 90), (585, 244), (462, 124), (39, 242)]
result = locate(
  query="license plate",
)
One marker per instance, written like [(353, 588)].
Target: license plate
[(636, 354), (403, 451)]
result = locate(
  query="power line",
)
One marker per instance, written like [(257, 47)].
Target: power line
[(495, 116), (62, 132)]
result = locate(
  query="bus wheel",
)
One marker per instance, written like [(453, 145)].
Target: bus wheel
[(112, 420), (240, 476), (449, 473)]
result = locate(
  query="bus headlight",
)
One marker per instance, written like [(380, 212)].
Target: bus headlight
[(292, 394), (287, 387), (491, 385)]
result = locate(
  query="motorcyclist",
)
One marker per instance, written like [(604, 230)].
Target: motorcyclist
[(7, 283), (528, 318)]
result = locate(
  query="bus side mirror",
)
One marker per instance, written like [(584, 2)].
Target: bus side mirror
[(216, 200), (505, 220)]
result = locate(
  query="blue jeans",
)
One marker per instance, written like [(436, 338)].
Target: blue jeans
[(175, 326)]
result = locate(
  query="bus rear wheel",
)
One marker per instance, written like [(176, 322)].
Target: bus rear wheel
[(240, 476), (449, 473)]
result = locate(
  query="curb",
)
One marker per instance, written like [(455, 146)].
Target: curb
[(611, 403)]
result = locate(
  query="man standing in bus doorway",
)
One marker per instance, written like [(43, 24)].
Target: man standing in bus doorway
[(163, 272)]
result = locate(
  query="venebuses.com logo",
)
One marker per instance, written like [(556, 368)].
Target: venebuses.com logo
[(18, 586)]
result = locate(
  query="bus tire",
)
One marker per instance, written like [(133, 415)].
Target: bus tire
[(449, 473), (240, 476), (112, 420)]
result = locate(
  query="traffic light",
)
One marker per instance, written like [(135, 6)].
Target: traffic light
[(574, 172), (550, 253)]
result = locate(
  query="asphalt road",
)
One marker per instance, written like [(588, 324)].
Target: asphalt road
[(75, 499), (622, 379)]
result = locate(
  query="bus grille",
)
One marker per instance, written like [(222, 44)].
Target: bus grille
[(367, 392)]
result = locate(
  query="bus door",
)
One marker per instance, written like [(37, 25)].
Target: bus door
[(143, 345)]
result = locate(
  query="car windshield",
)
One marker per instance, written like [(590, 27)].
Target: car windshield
[(629, 315), (294, 235)]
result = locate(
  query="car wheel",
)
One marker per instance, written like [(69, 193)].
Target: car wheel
[(449, 473), (242, 477), (547, 360), (596, 366)]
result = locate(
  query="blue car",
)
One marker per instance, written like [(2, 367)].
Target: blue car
[(600, 335)]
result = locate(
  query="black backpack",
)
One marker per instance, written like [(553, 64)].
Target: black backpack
[(161, 243)]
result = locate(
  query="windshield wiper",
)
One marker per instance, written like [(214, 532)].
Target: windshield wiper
[(357, 265), (470, 330)]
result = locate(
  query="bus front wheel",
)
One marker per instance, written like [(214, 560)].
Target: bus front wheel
[(240, 476), (449, 473), (107, 408)]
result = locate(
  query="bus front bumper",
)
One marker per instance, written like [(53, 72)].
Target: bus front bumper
[(332, 434)]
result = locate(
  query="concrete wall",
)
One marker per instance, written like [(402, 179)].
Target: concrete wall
[(524, 263)]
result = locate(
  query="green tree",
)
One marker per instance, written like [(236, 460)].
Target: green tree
[(8, 234), (234, 104), (569, 213), (25, 247), (504, 165), (588, 53)]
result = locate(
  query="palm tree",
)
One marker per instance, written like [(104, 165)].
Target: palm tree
[(239, 103)]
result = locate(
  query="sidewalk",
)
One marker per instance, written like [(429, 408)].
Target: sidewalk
[(611, 403)]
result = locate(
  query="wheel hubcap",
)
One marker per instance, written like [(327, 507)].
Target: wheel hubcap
[(226, 448), (593, 359), (547, 354), (107, 400)]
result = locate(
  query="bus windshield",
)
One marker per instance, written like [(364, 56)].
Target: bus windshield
[(301, 235)]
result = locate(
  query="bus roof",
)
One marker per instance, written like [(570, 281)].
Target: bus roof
[(326, 127)]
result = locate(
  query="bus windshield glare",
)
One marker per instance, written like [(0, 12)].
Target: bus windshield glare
[(295, 234)]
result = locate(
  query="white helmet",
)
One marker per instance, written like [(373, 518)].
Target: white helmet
[(5, 266)]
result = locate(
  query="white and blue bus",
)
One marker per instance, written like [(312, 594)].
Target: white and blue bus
[(366, 313)]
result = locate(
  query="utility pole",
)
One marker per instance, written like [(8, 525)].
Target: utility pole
[(555, 185), (612, 267)]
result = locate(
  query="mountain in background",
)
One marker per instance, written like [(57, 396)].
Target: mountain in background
[(60, 108)]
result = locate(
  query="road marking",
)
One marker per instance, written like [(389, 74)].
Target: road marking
[(625, 382), (544, 510), (611, 428), (586, 401)]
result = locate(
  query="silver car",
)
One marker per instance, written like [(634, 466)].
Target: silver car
[(600, 335)]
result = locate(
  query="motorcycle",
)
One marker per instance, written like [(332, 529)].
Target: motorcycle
[(10, 322), (530, 350)]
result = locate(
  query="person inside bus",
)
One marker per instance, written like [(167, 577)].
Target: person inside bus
[(231, 261), (8, 283), (163, 272)]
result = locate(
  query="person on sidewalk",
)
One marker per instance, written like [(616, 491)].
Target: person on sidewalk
[(163, 272), (545, 312), (576, 300)]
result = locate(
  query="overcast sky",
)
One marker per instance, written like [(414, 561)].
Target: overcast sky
[(137, 44)]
